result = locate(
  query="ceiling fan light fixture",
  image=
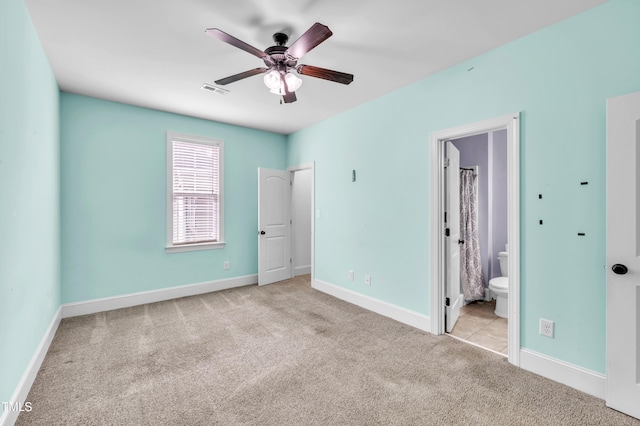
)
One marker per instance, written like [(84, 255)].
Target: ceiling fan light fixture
[(276, 83), (293, 82), (272, 80)]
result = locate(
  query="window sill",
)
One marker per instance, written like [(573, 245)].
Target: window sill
[(194, 247)]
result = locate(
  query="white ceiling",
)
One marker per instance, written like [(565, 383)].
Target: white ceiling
[(155, 53)]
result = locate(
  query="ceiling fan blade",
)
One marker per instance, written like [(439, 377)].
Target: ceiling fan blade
[(227, 38), (307, 41), (337, 76), (288, 96), (240, 76)]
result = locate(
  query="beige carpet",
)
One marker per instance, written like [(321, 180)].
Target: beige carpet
[(285, 354)]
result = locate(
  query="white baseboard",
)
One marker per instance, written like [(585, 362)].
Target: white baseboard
[(141, 298), (579, 378), (302, 270), (414, 319), (26, 381)]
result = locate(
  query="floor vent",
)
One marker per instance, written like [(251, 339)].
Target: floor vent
[(214, 89)]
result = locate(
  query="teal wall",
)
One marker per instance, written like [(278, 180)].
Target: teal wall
[(29, 194), (113, 159), (559, 79)]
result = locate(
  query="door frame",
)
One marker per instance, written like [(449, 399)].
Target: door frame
[(292, 170), (510, 122)]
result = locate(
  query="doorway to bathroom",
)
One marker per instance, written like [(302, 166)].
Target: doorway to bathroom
[(483, 245), (475, 234)]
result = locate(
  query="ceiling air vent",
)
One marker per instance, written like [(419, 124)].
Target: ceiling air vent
[(214, 89)]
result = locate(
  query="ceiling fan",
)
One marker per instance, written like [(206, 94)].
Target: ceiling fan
[(280, 60)]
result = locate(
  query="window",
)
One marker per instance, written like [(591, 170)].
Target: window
[(194, 193)]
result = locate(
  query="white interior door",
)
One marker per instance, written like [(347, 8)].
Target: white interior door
[(274, 226), (452, 232), (623, 254)]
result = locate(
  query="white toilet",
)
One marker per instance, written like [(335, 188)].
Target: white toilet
[(499, 286)]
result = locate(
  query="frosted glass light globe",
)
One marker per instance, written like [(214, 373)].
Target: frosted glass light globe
[(272, 79), (293, 82)]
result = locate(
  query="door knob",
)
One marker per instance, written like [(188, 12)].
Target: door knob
[(460, 241), (262, 232), (619, 269)]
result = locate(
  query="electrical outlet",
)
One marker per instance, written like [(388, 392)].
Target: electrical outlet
[(226, 264), (367, 279), (546, 327), (350, 275)]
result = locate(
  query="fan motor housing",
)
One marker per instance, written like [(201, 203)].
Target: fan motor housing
[(277, 55)]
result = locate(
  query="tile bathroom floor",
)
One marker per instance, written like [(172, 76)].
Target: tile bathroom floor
[(478, 324)]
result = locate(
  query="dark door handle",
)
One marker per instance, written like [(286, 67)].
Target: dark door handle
[(619, 269), (460, 241), (262, 232)]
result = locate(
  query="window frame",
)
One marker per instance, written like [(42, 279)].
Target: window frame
[(177, 248)]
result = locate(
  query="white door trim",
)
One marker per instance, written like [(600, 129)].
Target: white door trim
[(292, 169), (511, 123)]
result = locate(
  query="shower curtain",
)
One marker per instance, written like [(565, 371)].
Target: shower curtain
[(470, 262)]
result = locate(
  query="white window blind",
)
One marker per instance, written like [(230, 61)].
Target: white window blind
[(196, 193)]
